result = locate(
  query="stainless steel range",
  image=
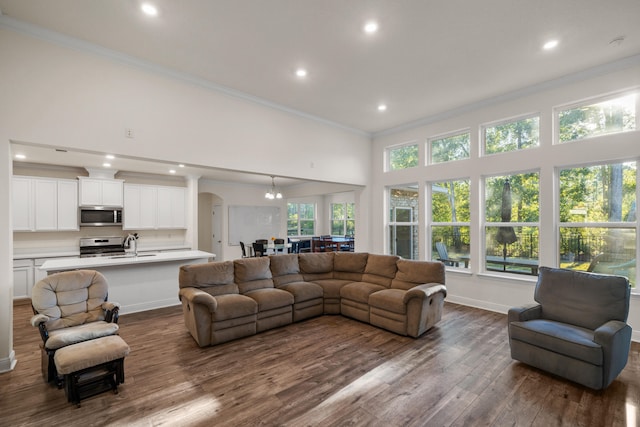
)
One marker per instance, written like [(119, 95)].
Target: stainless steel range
[(101, 246)]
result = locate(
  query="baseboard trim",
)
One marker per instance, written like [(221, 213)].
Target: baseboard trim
[(8, 363)]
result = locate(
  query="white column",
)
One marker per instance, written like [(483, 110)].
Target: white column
[(191, 236), (7, 355)]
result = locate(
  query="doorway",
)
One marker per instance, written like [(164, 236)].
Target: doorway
[(210, 220)]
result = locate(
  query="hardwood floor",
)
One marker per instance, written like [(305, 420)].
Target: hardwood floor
[(321, 372)]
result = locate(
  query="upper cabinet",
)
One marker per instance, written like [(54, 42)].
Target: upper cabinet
[(154, 207), (101, 192), (44, 204)]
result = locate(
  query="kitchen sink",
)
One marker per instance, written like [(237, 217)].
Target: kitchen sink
[(131, 256)]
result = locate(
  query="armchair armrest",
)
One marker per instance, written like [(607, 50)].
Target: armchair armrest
[(196, 296), (424, 291), (615, 339), (111, 311), (39, 319), (524, 313)]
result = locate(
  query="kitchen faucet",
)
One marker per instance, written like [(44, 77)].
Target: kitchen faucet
[(131, 242)]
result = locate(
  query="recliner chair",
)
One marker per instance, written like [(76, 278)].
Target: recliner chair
[(71, 307), (577, 329)]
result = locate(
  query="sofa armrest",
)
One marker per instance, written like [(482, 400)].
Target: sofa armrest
[(524, 313), (615, 339), (424, 291), (196, 296)]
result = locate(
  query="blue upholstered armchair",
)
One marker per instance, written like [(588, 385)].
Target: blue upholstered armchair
[(577, 330)]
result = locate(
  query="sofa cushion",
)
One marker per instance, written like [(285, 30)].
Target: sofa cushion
[(214, 278), (412, 273), (331, 287), (232, 306), (252, 273), (269, 299), (349, 265), (359, 291), (316, 265), (303, 291), (560, 338), (380, 269), (568, 296), (389, 300), (285, 269)]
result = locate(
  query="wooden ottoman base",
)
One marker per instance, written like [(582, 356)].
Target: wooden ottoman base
[(92, 367)]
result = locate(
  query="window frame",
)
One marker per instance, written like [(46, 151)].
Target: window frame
[(586, 102), (414, 222), (389, 149), (345, 219), (315, 218), (483, 132), (429, 145)]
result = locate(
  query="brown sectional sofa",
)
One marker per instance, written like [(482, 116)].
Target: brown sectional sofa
[(222, 301)]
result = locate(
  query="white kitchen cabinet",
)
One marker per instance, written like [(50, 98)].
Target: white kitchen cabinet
[(153, 207), (44, 204), (22, 278), (22, 204), (101, 192)]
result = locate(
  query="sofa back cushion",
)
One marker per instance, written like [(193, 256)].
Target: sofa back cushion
[(349, 265), (285, 269), (412, 273), (316, 266), (380, 269), (252, 274), (214, 278), (583, 299)]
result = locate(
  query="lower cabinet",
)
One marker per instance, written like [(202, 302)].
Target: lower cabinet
[(22, 278)]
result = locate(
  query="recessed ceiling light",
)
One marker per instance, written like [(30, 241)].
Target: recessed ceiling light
[(110, 156), (382, 107), (149, 9), (106, 165), (370, 27), (550, 44), (20, 156), (172, 171), (301, 72), (180, 165)]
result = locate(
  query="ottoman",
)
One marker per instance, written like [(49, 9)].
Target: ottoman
[(91, 367)]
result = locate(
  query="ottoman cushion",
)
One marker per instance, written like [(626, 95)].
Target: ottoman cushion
[(90, 353)]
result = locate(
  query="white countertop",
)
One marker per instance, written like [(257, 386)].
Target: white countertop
[(119, 260)]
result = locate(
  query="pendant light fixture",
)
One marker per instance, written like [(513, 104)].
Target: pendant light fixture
[(272, 193)]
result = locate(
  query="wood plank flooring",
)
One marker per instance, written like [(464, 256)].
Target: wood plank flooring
[(326, 371)]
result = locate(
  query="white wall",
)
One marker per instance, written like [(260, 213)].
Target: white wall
[(60, 94), (492, 291)]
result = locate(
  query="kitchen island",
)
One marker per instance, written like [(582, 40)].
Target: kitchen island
[(143, 282)]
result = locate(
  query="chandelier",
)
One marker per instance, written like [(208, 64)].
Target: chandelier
[(272, 193)]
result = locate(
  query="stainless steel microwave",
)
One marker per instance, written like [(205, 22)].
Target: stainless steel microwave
[(100, 216)]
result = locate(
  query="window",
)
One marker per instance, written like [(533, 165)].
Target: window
[(301, 219), (512, 136), (605, 117), (403, 221), (450, 148), (598, 219), (403, 157), (343, 219), (512, 223), (450, 222)]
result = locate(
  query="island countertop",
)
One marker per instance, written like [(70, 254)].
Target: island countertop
[(144, 282), (119, 260)]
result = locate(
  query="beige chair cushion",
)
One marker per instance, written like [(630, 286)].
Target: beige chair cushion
[(70, 298), (412, 273), (214, 278), (380, 269), (63, 337), (252, 274), (87, 354)]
